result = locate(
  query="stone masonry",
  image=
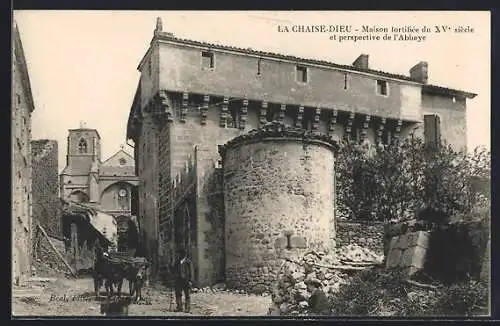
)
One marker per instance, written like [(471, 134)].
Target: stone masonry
[(408, 251), (22, 108), (46, 185), (199, 94), (278, 196)]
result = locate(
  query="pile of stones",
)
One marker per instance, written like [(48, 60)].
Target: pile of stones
[(352, 254), (221, 287), (290, 294)]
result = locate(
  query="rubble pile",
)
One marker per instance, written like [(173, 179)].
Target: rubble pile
[(222, 287), (46, 262), (354, 255), (290, 293)]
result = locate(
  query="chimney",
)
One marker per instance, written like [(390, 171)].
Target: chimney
[(361, 62), (419, 72), (159, 25)]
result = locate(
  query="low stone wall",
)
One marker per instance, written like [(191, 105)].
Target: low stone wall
[(365, 234), (256, 279)]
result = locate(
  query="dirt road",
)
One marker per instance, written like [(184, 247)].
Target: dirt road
[(75, 297)]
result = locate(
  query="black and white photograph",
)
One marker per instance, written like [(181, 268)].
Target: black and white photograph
[(304, 164)]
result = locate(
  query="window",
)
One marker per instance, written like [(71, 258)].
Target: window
[(122, 161), (258, 66), (233, 120), (301, 74), (207, 59), (18, 97), (432, 130), (357, 134), (82, 146), (387, 137), (149, 67), (381, 87), (345, 81)]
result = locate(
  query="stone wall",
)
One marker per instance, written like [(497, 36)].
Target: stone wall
[(365, 234), (22, 108), (210, 227), (148, 172), (46, 185), (278, 196)]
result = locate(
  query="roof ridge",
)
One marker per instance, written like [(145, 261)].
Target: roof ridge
[(170, 37)]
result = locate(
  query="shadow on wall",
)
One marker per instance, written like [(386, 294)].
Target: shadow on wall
[(457, 252)]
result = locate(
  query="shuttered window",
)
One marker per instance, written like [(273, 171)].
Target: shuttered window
[(432, 130)]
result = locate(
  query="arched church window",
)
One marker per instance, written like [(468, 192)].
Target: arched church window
[(82, 146), (123, 198)]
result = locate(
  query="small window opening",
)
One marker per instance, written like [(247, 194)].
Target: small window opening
[(233, 120), (302, 74), (82, 146), (258, 66), (288, 241), (18, 99), (345, 81), (382, 87), (207, 59), (149, 67), (387, 137)]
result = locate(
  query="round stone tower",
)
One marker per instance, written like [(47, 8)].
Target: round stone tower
[(278, 198)]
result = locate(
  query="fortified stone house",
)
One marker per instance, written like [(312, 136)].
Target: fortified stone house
[(199, 94), (109, 186)]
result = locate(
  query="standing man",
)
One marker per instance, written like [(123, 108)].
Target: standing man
[(182, 272)]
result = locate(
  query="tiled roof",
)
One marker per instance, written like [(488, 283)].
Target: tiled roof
[(77, 168), (104, 223), (169, 37)]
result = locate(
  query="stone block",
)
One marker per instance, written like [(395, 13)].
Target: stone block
[(298, 242), (280, 243), (393, 243), (413, 256), (393, 258), (410, 270), (420, 238), (402, 242)]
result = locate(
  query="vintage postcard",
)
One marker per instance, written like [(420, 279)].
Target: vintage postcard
[(250, 163)]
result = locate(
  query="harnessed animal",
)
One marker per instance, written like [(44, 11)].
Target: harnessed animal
[(107, 272)]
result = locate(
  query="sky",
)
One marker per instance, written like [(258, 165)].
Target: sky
[(83, 64)]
